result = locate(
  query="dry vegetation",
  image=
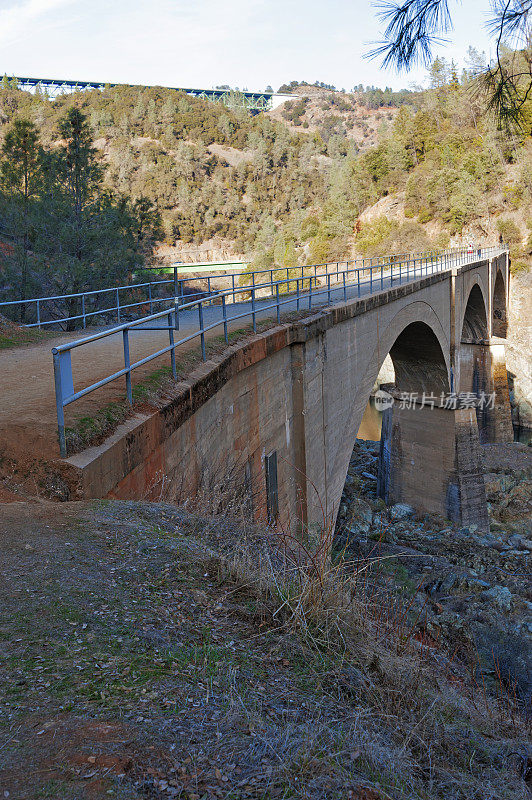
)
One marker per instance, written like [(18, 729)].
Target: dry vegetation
[(194, 656)]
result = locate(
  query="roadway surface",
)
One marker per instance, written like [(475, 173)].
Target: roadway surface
[(28, 422)]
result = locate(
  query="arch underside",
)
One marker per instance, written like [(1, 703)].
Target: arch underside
[(500, 317)]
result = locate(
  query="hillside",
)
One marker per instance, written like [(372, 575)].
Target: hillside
[(325, 176), (335, 114)]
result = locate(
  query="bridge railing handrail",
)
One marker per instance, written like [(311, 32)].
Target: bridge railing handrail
[(64, 385), (86, 314)]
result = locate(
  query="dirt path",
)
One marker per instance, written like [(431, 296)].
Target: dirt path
[(27, 409)]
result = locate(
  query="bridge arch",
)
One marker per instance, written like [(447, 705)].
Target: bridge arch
[(418, 313), (475, 316), (409, 347), (419, 349), (499, 318)]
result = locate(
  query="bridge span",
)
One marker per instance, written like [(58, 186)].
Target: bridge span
[(232, 98), (275, 418)]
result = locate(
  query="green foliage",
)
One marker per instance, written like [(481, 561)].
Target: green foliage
[(509, 231), (21, 178), (383, 236), (69, 232), (158, 165)]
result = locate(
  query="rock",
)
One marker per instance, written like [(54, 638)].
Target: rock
[(369, 476), (517, 502), (474, 584), (499, 596), (400, 511), (360, 516), (449, 582)]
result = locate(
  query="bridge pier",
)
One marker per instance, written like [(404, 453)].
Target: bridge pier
[(430, 458), (483, 372)]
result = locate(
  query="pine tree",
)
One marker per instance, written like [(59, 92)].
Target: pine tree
[(21, 178), (90, 233)]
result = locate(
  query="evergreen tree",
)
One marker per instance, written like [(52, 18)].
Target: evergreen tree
[(90, 235), (21, 177)]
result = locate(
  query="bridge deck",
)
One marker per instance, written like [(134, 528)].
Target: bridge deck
[(28, 422), (28, 411)]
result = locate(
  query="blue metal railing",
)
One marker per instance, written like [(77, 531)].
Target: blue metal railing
[(300, 292), (42, 309)]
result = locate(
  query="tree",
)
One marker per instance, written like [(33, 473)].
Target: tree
[(92, 236), (413, 27), (21, 177)]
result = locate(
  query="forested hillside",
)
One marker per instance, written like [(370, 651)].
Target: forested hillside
[(297, 185)]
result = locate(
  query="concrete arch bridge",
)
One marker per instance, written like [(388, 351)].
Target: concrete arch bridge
[(277, 417)]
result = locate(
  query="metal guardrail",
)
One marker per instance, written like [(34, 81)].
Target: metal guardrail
[(39, 306), (299, 291)]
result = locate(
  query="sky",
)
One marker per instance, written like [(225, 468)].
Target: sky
[(203, 43)]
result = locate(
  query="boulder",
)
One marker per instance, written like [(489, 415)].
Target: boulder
[(359, 517), (500, 596), (400, 511)]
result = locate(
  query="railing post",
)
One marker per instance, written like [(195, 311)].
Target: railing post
[(233, 282), (39, 313), (310, 293), (370, 280), (400, 277), (118, 305), (382, 276), (176, 315), (224, 314), (172, 351), (59, 405), (127, 365), (345, 287), (328, 289), (150, 298), (176, 285), (200, 316), (83, 310), (253, 309), (209, 288), (277, 300), (297, 293)]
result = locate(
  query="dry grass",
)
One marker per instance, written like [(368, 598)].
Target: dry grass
[(233, 661), (433, 727)]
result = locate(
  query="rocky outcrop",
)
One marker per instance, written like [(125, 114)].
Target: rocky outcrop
[(470, 588), (519, 349)]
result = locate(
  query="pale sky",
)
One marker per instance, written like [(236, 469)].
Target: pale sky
[(202, 43)]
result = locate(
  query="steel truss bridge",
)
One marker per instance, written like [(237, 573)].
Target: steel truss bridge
[(252, 101)]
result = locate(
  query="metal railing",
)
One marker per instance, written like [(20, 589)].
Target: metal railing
[(84, 306), (300, 292)]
